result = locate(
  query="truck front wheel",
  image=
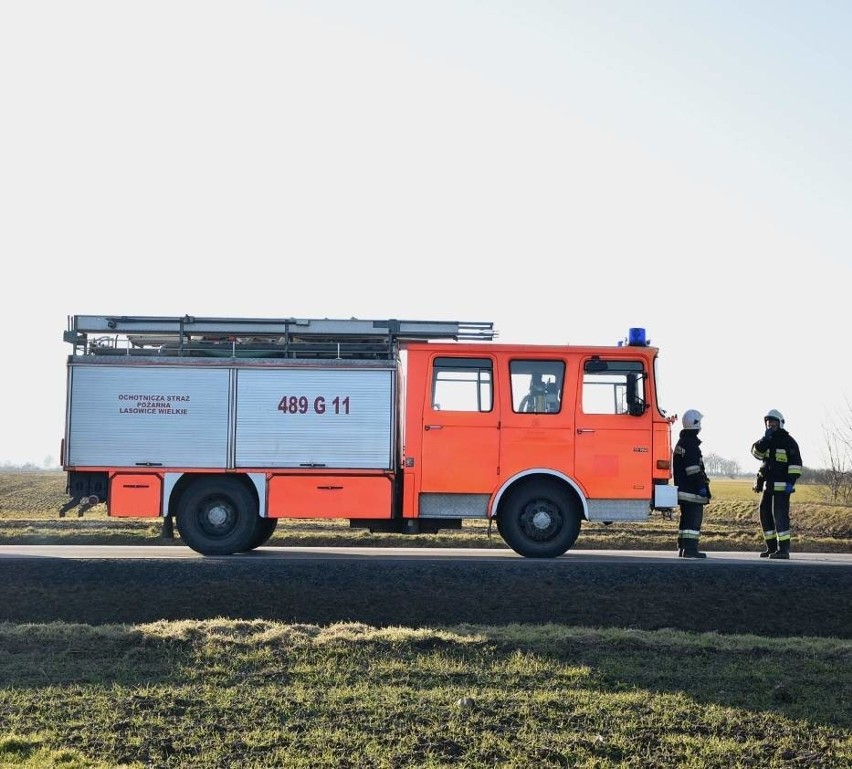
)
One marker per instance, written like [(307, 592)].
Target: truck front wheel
[(217, 516), (540, 520)]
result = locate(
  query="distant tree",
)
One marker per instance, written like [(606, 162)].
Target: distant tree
[(712, 463), (26, 467), (837, 477), (716, 465), (811, 475)]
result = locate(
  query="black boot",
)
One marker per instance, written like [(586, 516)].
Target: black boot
[(691, 550), (783, 552), (771, 547)]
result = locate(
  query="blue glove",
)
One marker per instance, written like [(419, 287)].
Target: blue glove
[(702, 492), (788, 489), (768, 433)]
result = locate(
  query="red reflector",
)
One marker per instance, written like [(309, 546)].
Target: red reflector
[(663, 464)]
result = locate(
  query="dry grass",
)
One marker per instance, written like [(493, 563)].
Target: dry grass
[(29, 505)]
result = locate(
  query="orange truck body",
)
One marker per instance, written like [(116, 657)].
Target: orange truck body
[(228, 425)]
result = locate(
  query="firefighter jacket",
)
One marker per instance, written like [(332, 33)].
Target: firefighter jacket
[(688, 467), (781, 462)]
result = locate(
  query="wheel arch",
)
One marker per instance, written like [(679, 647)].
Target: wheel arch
[(534, 475), (177, 484)]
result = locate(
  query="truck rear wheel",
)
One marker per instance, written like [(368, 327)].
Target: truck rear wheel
[(540, 520), (264, 529), (217, 516)]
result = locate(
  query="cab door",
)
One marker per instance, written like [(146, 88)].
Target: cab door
[(613, 424), (460, 428), (537, 415)]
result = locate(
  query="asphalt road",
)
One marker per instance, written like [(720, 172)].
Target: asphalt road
[(169, 552), (726, 593)]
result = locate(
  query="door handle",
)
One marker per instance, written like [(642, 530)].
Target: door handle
[(581, 430), (433, 427)]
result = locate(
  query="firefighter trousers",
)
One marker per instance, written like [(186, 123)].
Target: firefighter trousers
[(775, 519), (689, 526)]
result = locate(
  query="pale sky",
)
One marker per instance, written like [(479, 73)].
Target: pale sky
[(566, 170)]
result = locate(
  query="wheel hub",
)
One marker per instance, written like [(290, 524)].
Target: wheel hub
[(218, 515), (542, 520)]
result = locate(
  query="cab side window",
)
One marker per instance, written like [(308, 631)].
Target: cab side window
[(614, 387), (537, 386), (462, 384)]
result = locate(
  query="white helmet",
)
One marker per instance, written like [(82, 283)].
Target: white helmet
[(775, 414), (692, 419)]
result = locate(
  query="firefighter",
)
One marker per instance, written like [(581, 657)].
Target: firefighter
[(693, 486), (781, 467)]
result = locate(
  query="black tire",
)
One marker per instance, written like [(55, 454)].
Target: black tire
[(499, 521), (264, 529), (217, 516), (541, 520)]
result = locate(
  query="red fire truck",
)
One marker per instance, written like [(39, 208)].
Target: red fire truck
[(226, 425)]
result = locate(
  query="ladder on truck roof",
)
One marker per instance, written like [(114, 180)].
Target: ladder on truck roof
[(260, 337)]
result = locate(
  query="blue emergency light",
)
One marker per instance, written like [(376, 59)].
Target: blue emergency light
[(636, 337)]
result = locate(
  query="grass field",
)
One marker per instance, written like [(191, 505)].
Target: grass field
[(259, 693)]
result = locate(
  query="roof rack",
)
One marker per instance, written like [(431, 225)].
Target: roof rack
[(259, 337)]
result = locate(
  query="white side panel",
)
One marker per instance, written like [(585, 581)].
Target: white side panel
[(315, 418), (127, 416)]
